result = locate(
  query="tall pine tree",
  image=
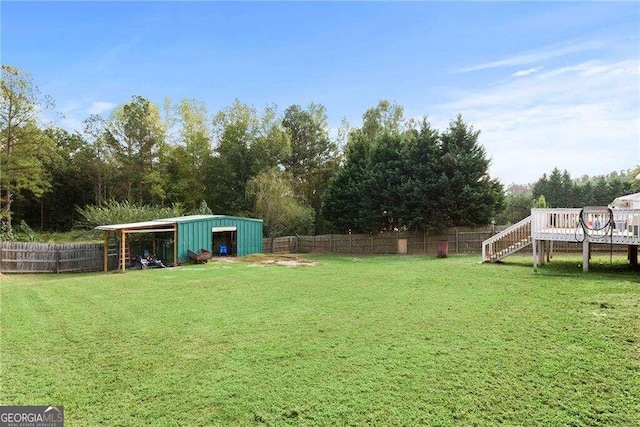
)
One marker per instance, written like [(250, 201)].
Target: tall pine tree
[(469, 195)]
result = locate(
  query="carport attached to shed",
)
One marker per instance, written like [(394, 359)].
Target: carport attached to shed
[(122, 230)]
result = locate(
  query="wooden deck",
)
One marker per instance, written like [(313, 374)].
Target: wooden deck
[(621, 227), (564, 225)]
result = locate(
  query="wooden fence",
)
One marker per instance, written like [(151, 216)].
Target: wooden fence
[(27, 257), (23, 257), (459, 240)]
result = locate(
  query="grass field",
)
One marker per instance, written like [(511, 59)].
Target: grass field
[(386, 340)]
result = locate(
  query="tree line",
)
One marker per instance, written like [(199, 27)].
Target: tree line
[(559, 190), (285, 167)]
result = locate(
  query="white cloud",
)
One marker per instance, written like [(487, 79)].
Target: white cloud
[(71, 115), (99, 107), (538, 55), (526, 72), (70, 123), (584, 118)]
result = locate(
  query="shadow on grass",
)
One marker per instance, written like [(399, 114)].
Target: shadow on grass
[(571, 265)]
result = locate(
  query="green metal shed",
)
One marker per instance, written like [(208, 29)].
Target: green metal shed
[(172, 238), (221, 234)]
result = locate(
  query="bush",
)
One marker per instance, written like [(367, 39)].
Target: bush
[(114, 212)]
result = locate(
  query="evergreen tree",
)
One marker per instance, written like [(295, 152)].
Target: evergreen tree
[(346, 204), (470, 196), (385, 184), (421, 196), (561, 191)]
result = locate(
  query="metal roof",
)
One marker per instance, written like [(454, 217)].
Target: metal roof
[(136, 225), (165, 223), (188, 218)]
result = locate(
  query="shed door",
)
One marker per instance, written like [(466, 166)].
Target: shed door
[(224, 240)]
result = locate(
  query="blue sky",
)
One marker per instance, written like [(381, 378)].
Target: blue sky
[(547, 84)]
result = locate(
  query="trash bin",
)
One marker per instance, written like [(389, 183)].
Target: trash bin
[(442, 248)]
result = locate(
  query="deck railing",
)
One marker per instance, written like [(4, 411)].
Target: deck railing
[(559, 219), (565, 225), (508, 241)]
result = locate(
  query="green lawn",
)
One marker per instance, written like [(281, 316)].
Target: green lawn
[(387, 340)]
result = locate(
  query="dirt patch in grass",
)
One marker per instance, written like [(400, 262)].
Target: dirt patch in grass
[(223, 259), (286, 259)]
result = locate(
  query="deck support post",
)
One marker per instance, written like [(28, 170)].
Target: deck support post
[(632, 251), (534, 244), (586, 248), (541, 249)]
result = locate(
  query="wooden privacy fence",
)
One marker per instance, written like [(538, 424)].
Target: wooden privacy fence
[(28, 257), (459, 240)]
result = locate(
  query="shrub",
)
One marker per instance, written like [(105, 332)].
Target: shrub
[(114, 212)]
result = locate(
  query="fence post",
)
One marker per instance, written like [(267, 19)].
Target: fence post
[(57, 259), (372, 243), (457, 239), (330, 243), (313, 243), (350, 243), (424, 242)]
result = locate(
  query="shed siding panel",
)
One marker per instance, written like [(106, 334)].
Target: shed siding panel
[(249, 238), (197, 234)]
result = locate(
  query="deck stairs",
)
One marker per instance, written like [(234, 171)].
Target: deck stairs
[(507, 242)]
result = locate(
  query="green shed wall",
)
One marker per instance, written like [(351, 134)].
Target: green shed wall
[(193, 235), (196, 234), (249, 233)]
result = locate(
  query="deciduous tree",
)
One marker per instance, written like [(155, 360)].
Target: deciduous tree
[(23, 144), (247, 143), (185, 163), (314, 156), (136, 134), (385, 117), (273, 200)]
